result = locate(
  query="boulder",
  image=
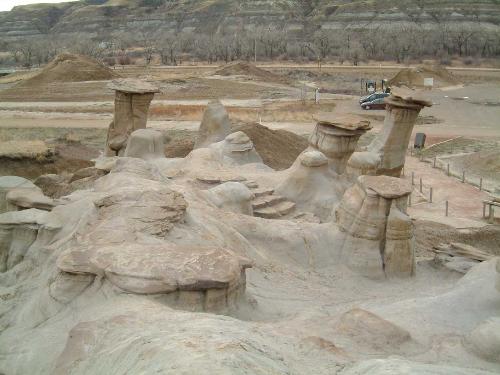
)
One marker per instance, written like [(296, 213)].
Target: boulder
[(145, 144), (8, 183), (22, 198)]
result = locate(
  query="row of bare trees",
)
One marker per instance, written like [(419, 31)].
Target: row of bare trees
[(399, 43)]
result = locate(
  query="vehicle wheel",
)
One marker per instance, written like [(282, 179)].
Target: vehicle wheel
[(367, 107)]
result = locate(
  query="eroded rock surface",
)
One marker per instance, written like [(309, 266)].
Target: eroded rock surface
[(132, 100), (215, 125), (379, 233)]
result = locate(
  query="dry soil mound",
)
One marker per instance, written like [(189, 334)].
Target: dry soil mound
[(278, 148), (414, 77), (241, 68), (70, 68)]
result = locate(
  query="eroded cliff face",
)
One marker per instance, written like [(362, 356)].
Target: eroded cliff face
[(300, 17)]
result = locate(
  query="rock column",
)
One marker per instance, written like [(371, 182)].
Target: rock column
[(378, 233), (337, 138), (386, 154), (132, 100)]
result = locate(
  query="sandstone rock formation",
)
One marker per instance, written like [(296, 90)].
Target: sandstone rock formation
[(310, 184), (386, 153), (132, 100), (18, 231), (22, 198), (337, 137), (498, 274), (8, 183), (145, 144), (237, 149), (379, 235), (232, 196), (215, 125), (484, 340)]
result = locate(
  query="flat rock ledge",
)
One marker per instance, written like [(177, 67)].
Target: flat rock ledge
[(196, 278)]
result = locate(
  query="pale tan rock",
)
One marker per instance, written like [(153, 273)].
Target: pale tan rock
[(236, 149), (337, 138), (370, 330), (162, 268), (18, 231), (390, 145), (310, 184), (132, 100), (8, 183), (145, 144), (399, 256), (372, 213), (232, 196), (484, 340), (498, 274), (22, 198), (215, 125)]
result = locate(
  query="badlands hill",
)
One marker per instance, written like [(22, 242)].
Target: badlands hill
[(298, 17)]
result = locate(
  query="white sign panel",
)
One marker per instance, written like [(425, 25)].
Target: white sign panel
[(428, 82)]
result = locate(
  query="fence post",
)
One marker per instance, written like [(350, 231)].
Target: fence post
[(434, 163), (412, 178), (446, 213), (421, 185), (430, 195), (448, 169), (481, 184), (409, 200), (463, 176)]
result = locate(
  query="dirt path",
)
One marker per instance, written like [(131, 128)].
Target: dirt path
[(465, 201)]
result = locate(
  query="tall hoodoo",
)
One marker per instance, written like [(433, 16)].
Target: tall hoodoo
[(386, 153), (132, 100), (337, 138)]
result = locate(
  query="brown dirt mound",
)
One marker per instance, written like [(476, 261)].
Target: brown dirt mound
[(414, 77), (278, 148), (70, 68), (241, 68)]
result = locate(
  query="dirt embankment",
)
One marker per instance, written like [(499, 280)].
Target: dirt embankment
[(241, 68), (68, 67), (414, 77), (278, 148)]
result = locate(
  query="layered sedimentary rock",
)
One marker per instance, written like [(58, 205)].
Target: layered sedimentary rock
[(132, 100), (236, 149), (145, 144), (386, 153), (337, 138), (18, 231), (203, 278), (232, 196), (8, 183), (310, 184), (215, 125), (23, 198), (379, 236)]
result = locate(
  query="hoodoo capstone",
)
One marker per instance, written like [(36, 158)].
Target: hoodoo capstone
[(132, 100), (386, 153)]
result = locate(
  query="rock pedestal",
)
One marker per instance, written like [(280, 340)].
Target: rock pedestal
[(215, 125), (132, 100), (386, 153), (337, 138), (8, 183), (237, 149), (379, 236), (145, 144)]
